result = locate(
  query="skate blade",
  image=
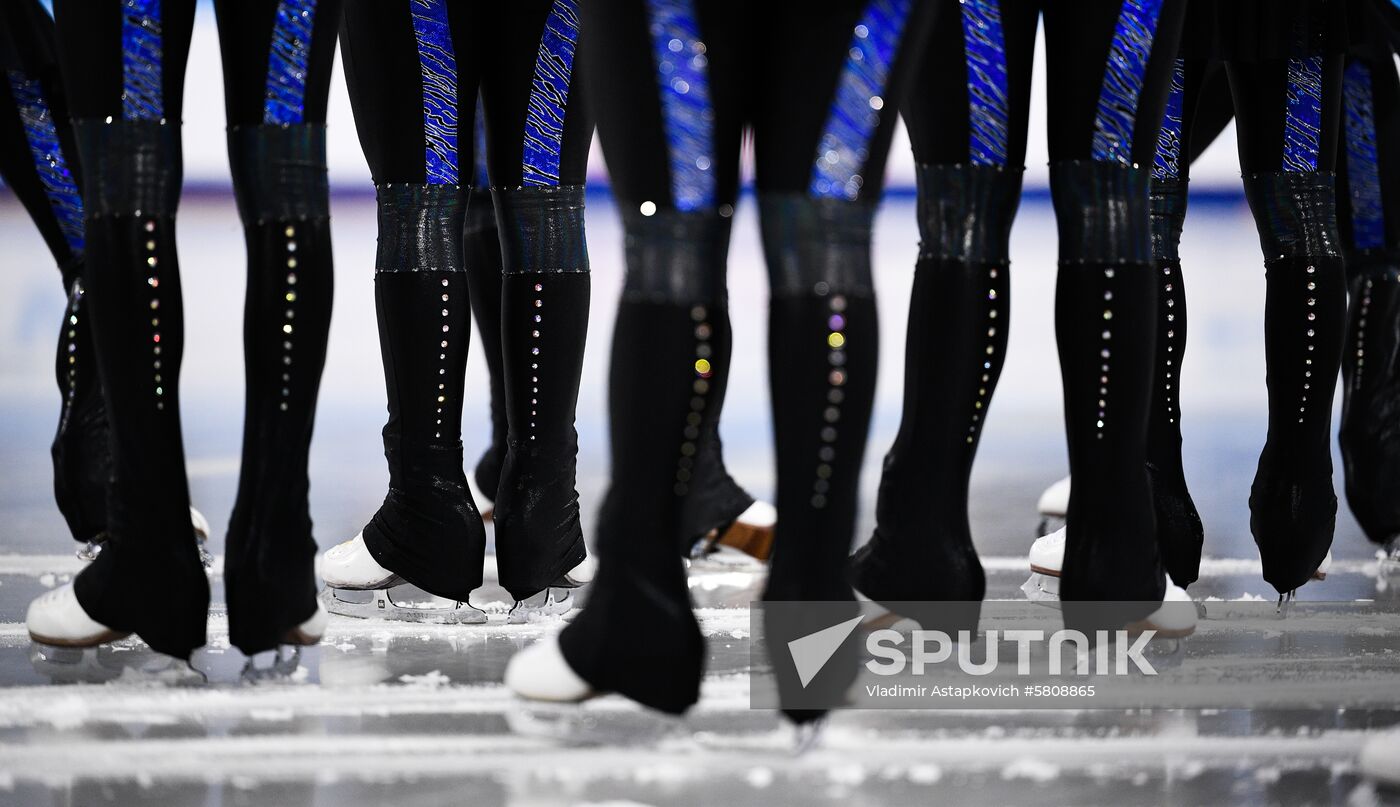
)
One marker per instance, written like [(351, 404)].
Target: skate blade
[(89, 551), (552, 602), (283, 666), (1043, 589), (808, 736), (101, 664), (379, 604)]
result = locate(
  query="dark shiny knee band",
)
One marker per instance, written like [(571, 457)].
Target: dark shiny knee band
[(1101, 211), (965, 212), (129, 167), (816, 245), (420, 227), (279, 172), (541, 229), (1295, 212), (1168, 205), (675, 257)]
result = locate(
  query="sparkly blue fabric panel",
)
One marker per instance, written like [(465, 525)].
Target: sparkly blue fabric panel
[(49, 164), (438, 68), (988, 107), (1302, 123), (143, 97), (855, 111), (1122, 80), (1167, 162), (683, 77), (1363, 171), (549, 96), (285, 100), (481, 178)]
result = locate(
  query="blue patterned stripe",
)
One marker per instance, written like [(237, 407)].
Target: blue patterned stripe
[(681, 73), (1363, 171), (988, 107), (1302, 123), (143, 97), (42, 136), (549, 96), (438, 68), (481, 177), (1122, 80), (855, 112), (1167, 162), (285, 100)]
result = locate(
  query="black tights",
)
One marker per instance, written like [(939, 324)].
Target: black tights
[(967, 114), (39, 161), (1369, 215), (415, 70), (124, 74), (684, 81)]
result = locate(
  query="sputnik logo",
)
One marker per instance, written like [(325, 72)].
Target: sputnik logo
[(811, 652)]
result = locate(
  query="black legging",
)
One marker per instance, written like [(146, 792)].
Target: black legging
[(39, 161), (123, 66), (1287, 122), (1369, 218), (677, 85), (414, 71), (967, 114)]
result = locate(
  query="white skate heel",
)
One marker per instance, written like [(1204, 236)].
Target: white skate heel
[(556, 600), (539, 672), (89, 551), (56, 619), (357, 586), (1053, 507)]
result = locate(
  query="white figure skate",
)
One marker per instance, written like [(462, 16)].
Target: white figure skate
[(56, 619), (357, 586), (539, 672)]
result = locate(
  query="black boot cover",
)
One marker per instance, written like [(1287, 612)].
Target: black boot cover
[(1370, 433), (670, 355), (823, 350), (269, 565), (82, 459), (1180, 534), (1105, 326), (148, 578), (428, 530), (959, 312), (544, 322), (1293, 509)]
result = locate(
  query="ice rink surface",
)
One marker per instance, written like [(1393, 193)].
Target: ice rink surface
[(412, 715)]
